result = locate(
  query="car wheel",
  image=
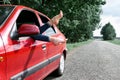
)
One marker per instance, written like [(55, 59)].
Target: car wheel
[(61, 67)]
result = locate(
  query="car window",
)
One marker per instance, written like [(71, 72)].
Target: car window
[(28, 17), (50, 31), (5, 12), (43, 18), (25, 17)]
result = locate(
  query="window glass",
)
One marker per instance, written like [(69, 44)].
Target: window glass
[(5, 12), (50, 31)]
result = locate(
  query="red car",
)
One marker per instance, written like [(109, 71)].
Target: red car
[(22, 57)]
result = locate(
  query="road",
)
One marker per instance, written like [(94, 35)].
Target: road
[(98, 60)]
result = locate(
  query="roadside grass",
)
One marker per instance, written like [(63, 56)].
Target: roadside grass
[(116, 41), (71, 46)]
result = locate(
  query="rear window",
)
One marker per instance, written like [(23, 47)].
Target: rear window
[(5, 12)]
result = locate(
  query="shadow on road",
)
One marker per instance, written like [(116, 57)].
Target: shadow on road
[(50, 77)]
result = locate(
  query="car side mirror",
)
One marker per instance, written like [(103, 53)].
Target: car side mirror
[(28, 30)]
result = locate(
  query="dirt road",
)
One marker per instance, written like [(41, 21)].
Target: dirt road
[(98, 60)]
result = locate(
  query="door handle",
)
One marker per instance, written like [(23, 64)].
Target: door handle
[(44, 47)]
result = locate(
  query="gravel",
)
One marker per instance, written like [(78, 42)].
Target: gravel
[(99, 60)]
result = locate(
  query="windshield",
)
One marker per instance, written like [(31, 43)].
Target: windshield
[(5, 12)]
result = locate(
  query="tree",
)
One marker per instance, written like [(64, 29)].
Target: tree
[(81, 17), (108, 32), (31, 3), (5, 2)]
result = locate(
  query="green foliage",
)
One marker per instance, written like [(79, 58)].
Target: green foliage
[(81, 17), (31, 3), (4, 1), (116, 41), (71, 46), (108, 32)]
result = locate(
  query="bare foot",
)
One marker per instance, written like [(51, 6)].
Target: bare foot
[(55, 20), (56, 41), (60, 14)]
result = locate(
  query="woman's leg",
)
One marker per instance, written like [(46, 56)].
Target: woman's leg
[(55, 20)]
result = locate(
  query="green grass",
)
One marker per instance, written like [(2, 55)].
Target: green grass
[(116, 41), (71, 46)]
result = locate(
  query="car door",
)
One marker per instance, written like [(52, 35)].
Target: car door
[(25, 56), (53, 51)]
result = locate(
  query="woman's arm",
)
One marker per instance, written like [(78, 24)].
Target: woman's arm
[(41, 37)]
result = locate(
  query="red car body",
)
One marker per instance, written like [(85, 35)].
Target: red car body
[(21, 57)]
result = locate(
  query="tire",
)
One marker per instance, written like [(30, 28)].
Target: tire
[(60, 70)]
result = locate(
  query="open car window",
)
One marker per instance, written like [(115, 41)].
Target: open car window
[(28, 17), (43, 18), (25, 17)]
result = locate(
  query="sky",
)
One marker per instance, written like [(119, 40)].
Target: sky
[(111, 13)]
